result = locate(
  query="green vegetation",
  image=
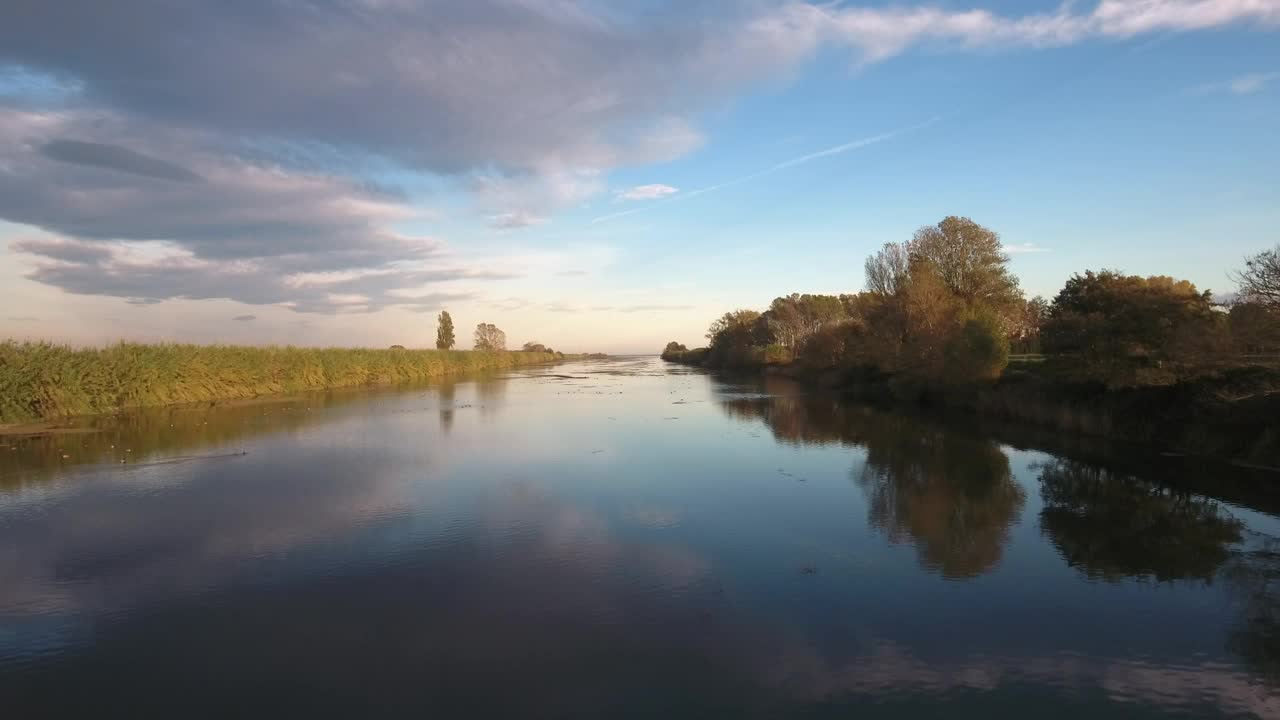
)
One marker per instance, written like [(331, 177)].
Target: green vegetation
[(444, 331), (942, 321), (943, 311), (44, 380)]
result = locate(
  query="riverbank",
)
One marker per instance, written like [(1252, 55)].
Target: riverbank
[(43, 381), (1229, 415)]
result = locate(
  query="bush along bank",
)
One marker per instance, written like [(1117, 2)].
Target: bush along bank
[(943, 321)]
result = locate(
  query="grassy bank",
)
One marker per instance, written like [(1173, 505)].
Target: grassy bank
[(43, 380)]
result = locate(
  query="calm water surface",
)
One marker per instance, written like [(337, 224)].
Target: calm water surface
[(623, 539)]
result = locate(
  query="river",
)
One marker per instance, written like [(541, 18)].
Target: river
[(624, 538)]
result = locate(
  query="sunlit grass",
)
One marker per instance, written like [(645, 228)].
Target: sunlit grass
[(41, 380)]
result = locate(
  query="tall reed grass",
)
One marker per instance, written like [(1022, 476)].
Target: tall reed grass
[(40, 380)]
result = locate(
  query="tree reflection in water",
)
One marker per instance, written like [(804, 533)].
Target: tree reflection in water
[(445, 399), (1112, 526), (949, 493), (952, 495), (1253, 576)]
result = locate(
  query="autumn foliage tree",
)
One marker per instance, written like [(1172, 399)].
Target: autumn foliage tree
[(793, 318), (1130, 330), (941, 305), (489, 338), (944, 309)]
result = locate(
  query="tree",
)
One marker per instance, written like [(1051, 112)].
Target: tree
[(830, 345), (489, 338), (887, 269), (939, 307), (1023, 325), (444, 331), (1260, 280), (979, 351), (792, 318), (534, 346), (1255, 327), (908, 331), (733, 337), (970, 261), (673, 349), (1127, 330)]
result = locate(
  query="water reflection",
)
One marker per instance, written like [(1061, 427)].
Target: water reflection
[(491, 392), (1114, 526), (1253, 578), (172, 432), (183, 528), (388, 561), (445, 396), (949, 493)]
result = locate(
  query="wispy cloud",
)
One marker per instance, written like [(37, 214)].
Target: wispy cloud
[(514, 220), (648, 192), (1241, 85), (245, 318), (1024, 248), (785, 164)]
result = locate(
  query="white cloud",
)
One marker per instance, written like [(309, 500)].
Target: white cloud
[(239, 151), (1024, 248), (879, 33), (648, 192)]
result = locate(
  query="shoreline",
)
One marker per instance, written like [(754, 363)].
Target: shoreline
[(1196, 418)]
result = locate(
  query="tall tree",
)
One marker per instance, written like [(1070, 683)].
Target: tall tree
[(887, 269), (1260, 280), (444, 331), (489, 338), (969, 260)]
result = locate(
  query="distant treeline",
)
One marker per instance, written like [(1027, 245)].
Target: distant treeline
[(943, 310), (43, 380)]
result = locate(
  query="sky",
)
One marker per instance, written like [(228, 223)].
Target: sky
[(602, 176)]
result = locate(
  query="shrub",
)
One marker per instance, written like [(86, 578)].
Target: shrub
[(979, 351), (776, 354)]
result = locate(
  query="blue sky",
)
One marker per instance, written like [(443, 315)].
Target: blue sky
[(602, 176)]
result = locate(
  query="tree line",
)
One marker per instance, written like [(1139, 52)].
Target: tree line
[(487, 337), (944, 308)]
